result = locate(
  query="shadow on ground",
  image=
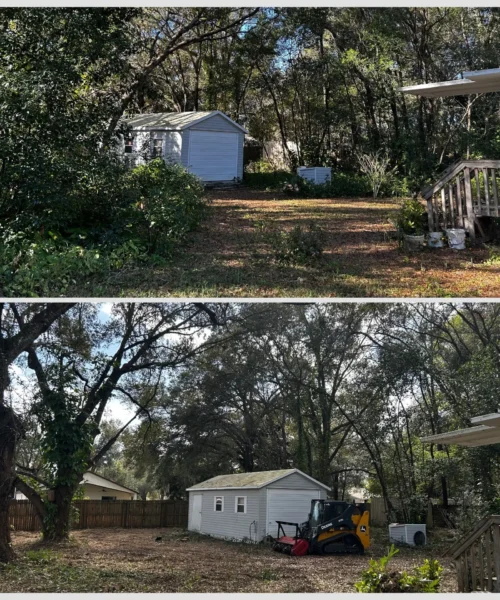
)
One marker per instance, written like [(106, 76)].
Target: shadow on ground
[(230, 257)]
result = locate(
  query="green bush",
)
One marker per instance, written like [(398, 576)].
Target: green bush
[(379, 579), (267, 180), (48, 267), (410, 218), (297, 246), (167, 203)]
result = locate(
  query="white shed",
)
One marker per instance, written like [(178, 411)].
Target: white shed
[(208, 144), (246, 506)]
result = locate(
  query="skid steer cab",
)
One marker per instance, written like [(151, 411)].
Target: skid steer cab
[(333, 527)]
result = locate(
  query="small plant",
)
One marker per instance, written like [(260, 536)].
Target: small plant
[(297, 246), (410, 219), (376, 168), (268, 575), (379, 579), (43, 556)]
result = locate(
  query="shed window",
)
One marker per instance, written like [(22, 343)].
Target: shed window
[(219, 503), (240, 504), (108, 498), (129, 146), (157, 148)]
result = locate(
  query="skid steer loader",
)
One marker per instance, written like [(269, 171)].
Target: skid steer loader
[(333, 527)]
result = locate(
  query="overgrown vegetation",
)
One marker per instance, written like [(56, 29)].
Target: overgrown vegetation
[(149, 213), (300, 246), (379, 579)]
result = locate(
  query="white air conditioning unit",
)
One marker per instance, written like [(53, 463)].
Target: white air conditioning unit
[(409, 533), (315, 174)]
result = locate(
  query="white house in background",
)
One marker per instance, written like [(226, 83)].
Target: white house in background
[(208, 144), (99, 488), (247, 505)]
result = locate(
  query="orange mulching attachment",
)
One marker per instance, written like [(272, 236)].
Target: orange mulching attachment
[(230, 255)]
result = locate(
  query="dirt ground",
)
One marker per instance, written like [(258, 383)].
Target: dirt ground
[(125, 560), (231, 257)]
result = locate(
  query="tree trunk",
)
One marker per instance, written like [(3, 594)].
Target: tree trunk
[(444, 487), (10, 431), (56, 528)]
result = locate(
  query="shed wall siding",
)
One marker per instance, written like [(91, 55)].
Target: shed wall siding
[(185, 148), (295, 481), (228, 524), (263, 513)]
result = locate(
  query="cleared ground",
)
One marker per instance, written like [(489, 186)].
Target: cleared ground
[(125, 560), (231, 257)]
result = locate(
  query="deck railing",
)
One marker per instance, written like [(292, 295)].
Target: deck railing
[(477, 557), (468, 189)]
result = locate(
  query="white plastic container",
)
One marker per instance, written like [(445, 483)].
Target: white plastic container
[(412, 534), (456, 238), (315, 174), (414, 242), (435, 239)]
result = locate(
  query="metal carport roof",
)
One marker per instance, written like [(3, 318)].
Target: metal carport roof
[(486, 431), (468, 82)]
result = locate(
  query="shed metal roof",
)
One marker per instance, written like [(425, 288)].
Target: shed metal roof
[(256, 480), (175, 120), (468, 82)]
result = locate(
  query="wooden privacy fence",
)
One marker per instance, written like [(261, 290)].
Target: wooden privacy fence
[(93, 514)]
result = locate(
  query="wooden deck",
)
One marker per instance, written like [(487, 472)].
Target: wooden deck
[(467, 190)]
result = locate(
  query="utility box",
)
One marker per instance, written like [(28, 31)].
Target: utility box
[(408, 533), (315, 174)]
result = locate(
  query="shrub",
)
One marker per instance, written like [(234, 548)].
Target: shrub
[(410, 219), (340, 185), (48, 267), (297, 246), (376, 168), (167, 203), (379, 579), (267, 180)]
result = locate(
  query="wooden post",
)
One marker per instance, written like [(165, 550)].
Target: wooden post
[(468, 204), (478, 189), (459, 202), (496, 554), (481, 564), (495, 191), (489, 567), (430, 215), (443, 204), (486, 190), (452, 203), (473, 567)]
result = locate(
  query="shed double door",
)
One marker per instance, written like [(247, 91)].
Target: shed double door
[(213, 155), (288, 505)]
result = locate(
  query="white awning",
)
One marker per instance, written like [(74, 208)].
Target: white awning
[(468, 82), (485, 432)]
